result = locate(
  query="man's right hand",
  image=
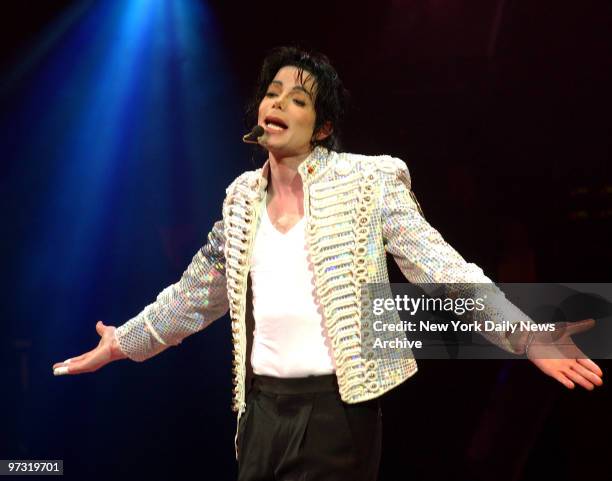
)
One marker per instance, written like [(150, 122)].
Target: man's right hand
[(105, 352)]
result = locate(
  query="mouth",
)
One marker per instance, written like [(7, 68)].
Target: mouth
[(274, 124)]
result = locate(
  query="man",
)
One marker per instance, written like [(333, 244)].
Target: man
[(299, 238)]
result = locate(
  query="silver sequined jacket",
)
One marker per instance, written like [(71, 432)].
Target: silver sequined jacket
[(357, 208)]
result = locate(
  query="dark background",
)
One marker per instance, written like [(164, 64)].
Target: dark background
[(501, 111)]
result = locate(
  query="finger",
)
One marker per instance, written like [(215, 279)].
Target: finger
[(72, 359), (580, 326), (100, 327), (579, 379), (587, 374), (59, 364), (590, 365), (81, 357), (60, 371), (73, 368), (563, 379)]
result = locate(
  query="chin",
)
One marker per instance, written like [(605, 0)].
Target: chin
[(282, 149), (277, 148)]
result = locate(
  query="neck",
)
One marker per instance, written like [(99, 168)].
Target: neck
[(285, 179)]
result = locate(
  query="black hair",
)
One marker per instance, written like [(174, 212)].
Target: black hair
[(330, 96)]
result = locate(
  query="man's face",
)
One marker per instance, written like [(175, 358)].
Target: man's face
[(287, 113)]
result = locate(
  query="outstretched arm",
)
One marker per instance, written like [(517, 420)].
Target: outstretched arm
[(186, 307), (424, 257)]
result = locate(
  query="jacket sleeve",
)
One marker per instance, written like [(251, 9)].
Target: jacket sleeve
[(186, 307), (424, 257)]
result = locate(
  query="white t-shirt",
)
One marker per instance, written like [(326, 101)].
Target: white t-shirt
[(290, 338)]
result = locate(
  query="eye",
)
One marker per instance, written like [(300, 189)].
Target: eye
[(270, 94), (299, 102)]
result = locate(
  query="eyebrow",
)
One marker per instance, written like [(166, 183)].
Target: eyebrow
[(297, 87)]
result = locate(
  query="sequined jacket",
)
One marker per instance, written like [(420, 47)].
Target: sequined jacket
[(357, 209)]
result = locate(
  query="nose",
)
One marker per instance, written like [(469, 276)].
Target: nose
[(279, 103)]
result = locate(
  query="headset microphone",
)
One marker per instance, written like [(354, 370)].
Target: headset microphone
[(253, 136)]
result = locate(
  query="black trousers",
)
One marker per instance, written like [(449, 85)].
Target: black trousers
[(298, 429)]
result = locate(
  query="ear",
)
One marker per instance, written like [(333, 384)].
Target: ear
[(325, 131)]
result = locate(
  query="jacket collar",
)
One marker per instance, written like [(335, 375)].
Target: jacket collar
[(311, 167)]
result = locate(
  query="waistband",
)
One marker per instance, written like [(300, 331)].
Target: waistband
[(295, 385)]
